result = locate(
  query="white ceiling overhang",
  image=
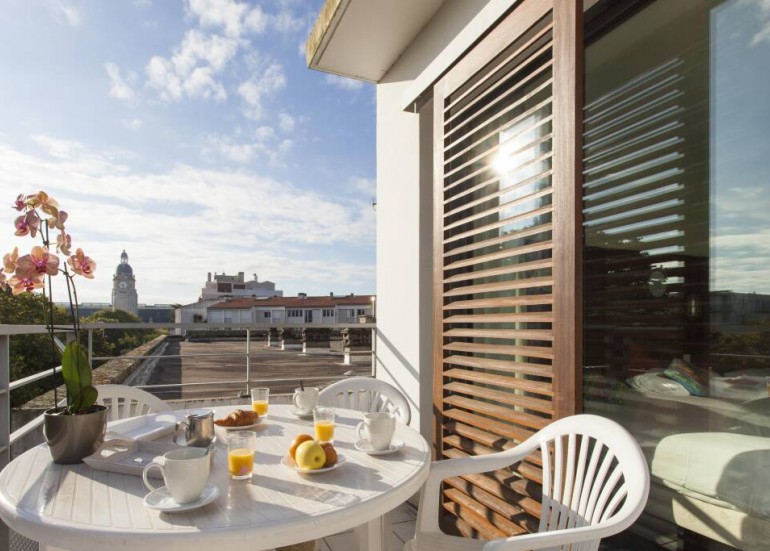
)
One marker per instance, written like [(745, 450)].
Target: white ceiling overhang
[(361, 39)]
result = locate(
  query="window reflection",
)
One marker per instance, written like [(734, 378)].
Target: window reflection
[(677, 260)]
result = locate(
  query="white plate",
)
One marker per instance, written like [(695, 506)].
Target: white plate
[(298, 413), (364, 446), (288, 462), (245, 427), (168, 505)]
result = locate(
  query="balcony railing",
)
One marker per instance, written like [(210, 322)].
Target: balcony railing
[(7, 332)]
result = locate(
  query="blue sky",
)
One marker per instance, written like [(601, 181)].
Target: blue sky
[(191, 134)]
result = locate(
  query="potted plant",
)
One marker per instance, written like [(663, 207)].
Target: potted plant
[(76, 429)]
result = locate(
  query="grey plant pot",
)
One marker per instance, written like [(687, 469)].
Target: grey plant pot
[(70, 438)]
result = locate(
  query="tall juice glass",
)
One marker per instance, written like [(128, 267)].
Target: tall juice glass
[(259, 400), (240, 453), (323, 423)]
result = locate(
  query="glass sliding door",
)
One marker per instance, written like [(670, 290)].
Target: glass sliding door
[(676, 238)]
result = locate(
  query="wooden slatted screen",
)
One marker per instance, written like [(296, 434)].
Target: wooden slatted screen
[(506, 251)]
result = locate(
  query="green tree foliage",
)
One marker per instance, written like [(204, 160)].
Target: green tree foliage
[(31, 354), (116, 342)]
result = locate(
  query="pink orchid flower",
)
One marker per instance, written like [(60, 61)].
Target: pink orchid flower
[(81, 264), (57, 220), (28, 224), (3, 282), (20, 203), (21, 283), (39, 261), (63, 243), (11, 260)]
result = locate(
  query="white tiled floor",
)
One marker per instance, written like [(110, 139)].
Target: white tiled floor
[(403, 528)]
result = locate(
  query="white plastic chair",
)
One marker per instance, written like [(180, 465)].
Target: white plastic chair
[(595, 484), (366, 394), (129, 401)]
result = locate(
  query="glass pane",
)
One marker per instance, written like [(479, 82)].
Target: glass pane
[(677, 262)]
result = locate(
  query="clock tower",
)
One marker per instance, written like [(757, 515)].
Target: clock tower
[(124, 287)]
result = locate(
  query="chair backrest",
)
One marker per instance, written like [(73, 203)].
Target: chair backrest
[(594, 474), (366, 394), (129, 401)]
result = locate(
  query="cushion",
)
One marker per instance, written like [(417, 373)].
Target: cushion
[(655, 382), (691, 378)]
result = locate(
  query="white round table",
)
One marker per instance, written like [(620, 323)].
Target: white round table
[(77, 507)]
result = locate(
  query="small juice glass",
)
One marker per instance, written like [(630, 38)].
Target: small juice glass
[(240, 454), (323, 423), (259, 400)]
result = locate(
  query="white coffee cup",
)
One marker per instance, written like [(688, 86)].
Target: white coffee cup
[(185, 472), (306, 399), (377, 429)]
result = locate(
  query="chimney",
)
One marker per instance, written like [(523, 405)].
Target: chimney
[(209, 279), (302, 295), (331, 294)]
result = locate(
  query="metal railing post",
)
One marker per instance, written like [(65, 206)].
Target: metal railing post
[(5, 419), (90, 347), (248, 361)]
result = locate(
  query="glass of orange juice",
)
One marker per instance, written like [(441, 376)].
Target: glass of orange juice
[(259, 399), (323, 422), (240, 453)]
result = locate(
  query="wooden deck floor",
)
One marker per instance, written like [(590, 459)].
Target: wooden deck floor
[(218, 369)]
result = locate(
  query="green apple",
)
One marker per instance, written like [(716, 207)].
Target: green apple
[(310, 455)]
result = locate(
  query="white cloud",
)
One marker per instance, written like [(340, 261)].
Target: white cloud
[(263, 146), (133, 124), (210, 220), (364, 186), (65, 12), (763, 35), (119, 88), (234, 18), (192, 68), (259, 88), (285, 22), (343, 83), (286, 122)]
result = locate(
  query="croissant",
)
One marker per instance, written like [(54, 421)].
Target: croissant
[(238, 418)]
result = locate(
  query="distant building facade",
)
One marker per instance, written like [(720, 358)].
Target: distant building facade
[(124, 296), (235, 286), (301, 309), (151, 313)]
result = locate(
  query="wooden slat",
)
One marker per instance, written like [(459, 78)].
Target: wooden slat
[(493, 379), (529, 317), (503, 429), (513, 399), (505, 366), (501, 302), (477, 521), (509, 285), (505, 253), (499, 224), (499, 498), (501, 349), (508, 204), (523, 334), (508, 269), (527, 420), (482, 503), (507, 59)]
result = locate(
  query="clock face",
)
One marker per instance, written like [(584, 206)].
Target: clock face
[(122, 285)]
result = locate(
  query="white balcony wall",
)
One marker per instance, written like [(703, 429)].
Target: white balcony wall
[(404, 199)]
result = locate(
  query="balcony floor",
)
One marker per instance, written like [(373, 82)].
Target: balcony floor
[(403, 528)]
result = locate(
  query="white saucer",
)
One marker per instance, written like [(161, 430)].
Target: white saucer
[(288, 462), (366, 447), (168, 505), (298, 413)]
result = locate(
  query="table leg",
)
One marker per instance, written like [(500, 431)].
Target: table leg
[(369, 536)]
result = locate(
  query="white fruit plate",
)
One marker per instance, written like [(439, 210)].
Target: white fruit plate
[(289, 463)]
